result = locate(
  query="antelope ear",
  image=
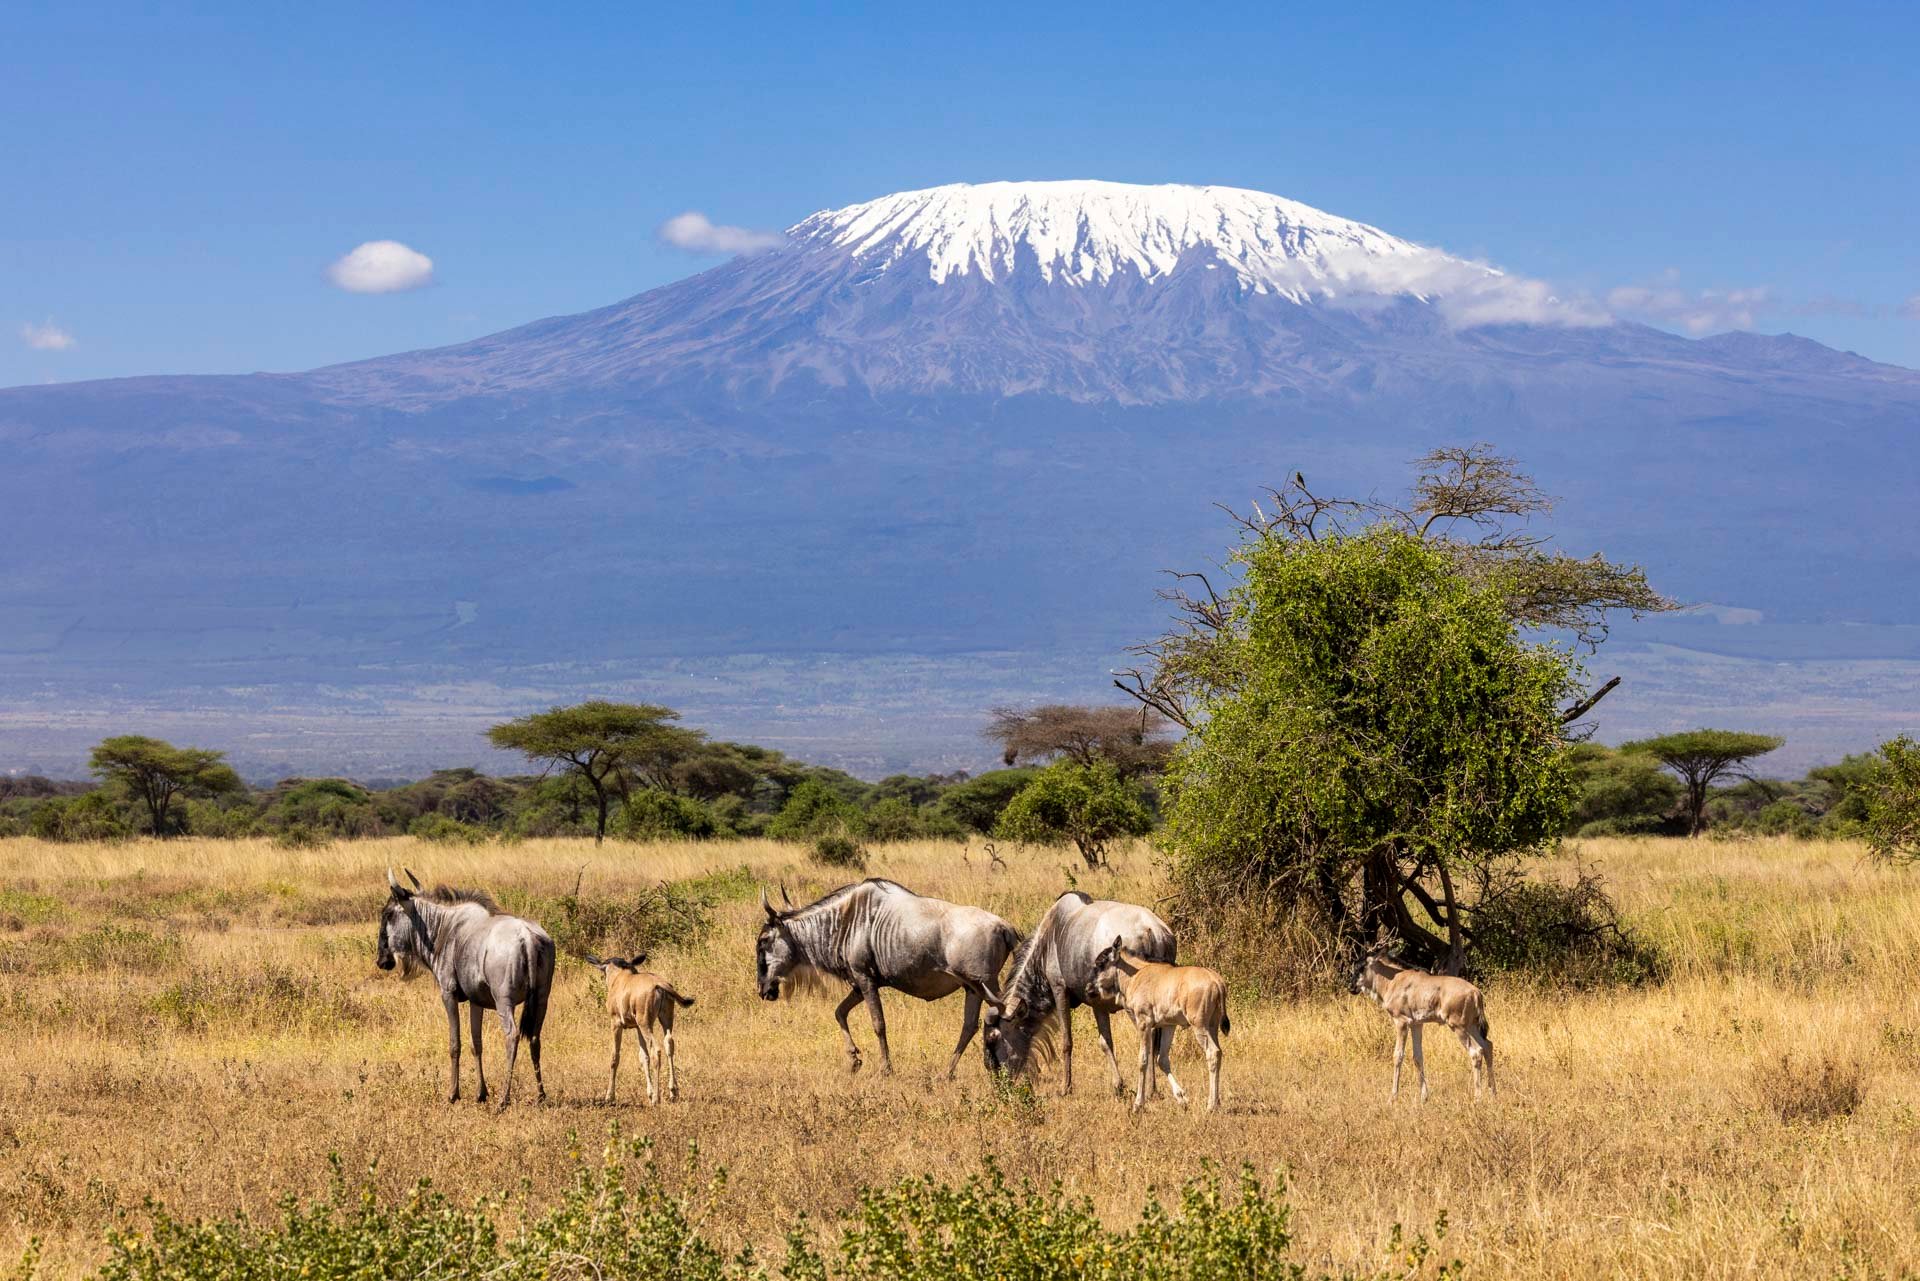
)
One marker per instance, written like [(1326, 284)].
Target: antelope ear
[(1119, 945), (639, 959)]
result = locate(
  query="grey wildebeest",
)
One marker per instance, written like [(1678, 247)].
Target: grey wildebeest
[(1160, 998), (1412, 998), (1053, 972), (875, 935), (478, 954), (643, 1001)]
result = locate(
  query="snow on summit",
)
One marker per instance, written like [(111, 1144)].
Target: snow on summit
[(1089, 232)]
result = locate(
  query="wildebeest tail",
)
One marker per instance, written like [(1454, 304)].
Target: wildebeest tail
[(533, 1014)]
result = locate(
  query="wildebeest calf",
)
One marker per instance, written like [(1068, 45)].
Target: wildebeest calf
[(641, 1000), (1155, 996), (1414, 997)]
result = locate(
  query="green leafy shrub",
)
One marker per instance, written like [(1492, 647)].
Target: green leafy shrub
[(618, 1218), (441, 830), (90, 817), (814, 807), (651, 814), (976, 804), (1892, 801), (837, 849), (1089, 806), (301, 837), (674, 914)]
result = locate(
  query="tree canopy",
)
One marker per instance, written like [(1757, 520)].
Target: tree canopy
[(1701, 758), (607, 745), (1134, 739), (1090, 805), (1893, 801), (1365, 711), (157, 773)]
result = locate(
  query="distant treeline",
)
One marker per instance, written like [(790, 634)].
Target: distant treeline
[(1099, 770)]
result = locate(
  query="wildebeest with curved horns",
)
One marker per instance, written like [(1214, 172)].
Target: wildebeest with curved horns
[(877, 934), (479, 955), (1054, 971)]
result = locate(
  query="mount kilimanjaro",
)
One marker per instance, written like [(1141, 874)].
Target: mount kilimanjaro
[(945, 423)]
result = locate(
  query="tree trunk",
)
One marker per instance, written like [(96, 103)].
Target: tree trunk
[(600, 807)]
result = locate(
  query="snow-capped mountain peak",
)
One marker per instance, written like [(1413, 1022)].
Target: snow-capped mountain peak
[(1089, 232)]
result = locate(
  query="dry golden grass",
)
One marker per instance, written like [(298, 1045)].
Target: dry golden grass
[(201, 1022)]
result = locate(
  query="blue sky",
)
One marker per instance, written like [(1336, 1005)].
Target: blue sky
[(177, 184)]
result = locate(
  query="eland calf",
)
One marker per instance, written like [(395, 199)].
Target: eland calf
[(1412, 998), (1156, 995), (641, 1000)]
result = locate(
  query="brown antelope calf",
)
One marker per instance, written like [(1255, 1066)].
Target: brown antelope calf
[(1156, 995), (1412, 998), (640, 1000)]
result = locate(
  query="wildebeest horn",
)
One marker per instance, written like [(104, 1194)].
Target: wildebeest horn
[(393, 882), (767, 906), (783, 894), (413, 878)]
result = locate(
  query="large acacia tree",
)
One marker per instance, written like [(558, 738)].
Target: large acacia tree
[(1368, 714), (157, 773), (606, 745)]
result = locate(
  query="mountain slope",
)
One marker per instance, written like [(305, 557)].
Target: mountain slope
[(965, 418)]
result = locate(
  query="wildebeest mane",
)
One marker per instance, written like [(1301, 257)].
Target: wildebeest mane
[(454, 894)]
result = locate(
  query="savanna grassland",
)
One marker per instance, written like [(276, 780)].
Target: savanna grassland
[(201, 1022)]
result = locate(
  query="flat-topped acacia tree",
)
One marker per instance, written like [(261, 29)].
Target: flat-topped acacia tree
[(1701, 758), (604, 744), (157, 772)]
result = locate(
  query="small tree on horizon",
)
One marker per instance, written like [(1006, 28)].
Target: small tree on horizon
[(1702, 757), (1090, 805), (157, 773), (1134, 739), (600, 742)]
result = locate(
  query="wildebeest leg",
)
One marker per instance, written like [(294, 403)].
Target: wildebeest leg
[(667, 1063), (969, 1024), (510, 1030), (1065, 1012), (840, 1015), (1146, 1066), (453, 1043), (1210, 1042), (533, 1019), (474, 1017), (646, 1061), (879, 1017), (1419, 1063), (613, 1069), (1164, 1048), (1399, 1053)]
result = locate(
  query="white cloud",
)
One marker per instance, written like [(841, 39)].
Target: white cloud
[(46, 337), (698, 234), (1697, 311), (1468, 294), (381, 267), (1911, 308)]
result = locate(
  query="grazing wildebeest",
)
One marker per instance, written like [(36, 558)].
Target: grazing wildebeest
[(875, 935), (641, 1000), (1414, 997), (1053, 972), (1160, 998), (479, 955)]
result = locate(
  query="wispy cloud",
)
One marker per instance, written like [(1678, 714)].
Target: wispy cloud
[(46, 336), (1911, 308), (1469, 294), (1697, 311), (696, 233), (381, 267)]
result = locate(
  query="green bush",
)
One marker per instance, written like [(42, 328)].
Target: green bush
[(813, 808), (899, 819), (651, 815), (92, 816), (442, 830), (976, 804), (837, 849), (620, 1219), (301, 837), (1090, 806)]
